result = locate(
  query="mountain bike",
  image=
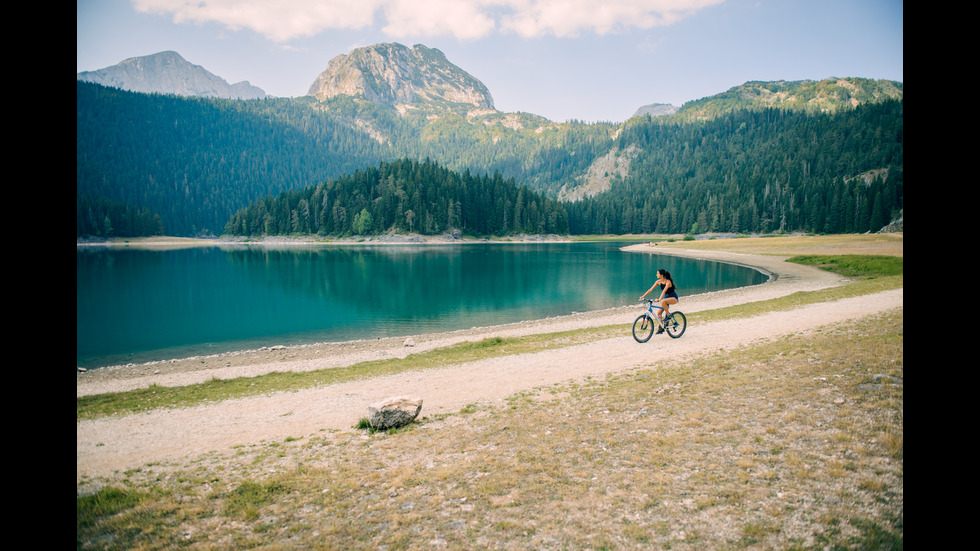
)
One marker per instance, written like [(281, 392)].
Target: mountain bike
[(675, 324)]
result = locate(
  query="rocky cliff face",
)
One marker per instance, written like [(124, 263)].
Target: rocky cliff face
[(656, 110), (169, 73), (393, 75)]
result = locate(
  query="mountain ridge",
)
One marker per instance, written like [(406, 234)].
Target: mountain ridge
[(421, 79), (828, 95), (168, 72), (656, 110)]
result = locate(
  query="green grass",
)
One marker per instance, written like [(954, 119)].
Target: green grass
[(122, 517), (104, 503), (876, 274), (365, 424), (156, 396), (249, 497), (854, 265)]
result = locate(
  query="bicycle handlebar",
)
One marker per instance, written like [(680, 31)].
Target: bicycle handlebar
[(652, 302)]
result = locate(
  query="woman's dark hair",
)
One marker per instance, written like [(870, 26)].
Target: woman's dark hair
[(668, 278)]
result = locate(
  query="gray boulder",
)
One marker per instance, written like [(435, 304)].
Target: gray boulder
[(394, 412)]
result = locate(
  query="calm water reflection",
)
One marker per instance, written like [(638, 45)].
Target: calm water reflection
[(138, 305)]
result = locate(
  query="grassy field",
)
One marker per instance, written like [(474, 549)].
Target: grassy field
[(796, 443), (863, 244)]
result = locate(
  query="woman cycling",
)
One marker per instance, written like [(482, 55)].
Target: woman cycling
[(668, 294)]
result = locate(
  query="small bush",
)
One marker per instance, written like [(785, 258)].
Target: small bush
[(363, 424)]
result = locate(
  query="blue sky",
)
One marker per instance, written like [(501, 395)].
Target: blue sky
[(562, 59)]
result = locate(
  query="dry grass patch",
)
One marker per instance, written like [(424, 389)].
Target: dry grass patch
[(793, 444), (890, 244)]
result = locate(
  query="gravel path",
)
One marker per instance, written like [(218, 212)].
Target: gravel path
[(113, 444)]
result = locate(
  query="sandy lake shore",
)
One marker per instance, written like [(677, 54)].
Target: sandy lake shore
[(107, 445)]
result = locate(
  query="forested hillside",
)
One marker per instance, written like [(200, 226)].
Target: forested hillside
[(403, 196), (756, 171), (186, 166), (535, 151), (195, 161)]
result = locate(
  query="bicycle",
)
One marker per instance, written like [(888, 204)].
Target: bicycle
[(675, 324)]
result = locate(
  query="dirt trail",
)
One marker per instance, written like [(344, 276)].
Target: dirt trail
[(112, 444)]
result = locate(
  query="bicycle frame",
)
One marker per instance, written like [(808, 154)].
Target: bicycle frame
[(653, 315)]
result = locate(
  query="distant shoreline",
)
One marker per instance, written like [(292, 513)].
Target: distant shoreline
[(774, 267), (766, 255), (382, 239), (784, 278), (163, 242)]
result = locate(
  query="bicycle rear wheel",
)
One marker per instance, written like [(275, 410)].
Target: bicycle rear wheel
[(643, 328), (676, 324)]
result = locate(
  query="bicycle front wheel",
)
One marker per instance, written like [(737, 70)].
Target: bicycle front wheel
[(676, 324), (643, 328)]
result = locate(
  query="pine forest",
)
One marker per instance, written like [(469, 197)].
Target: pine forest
[(150, 164), (404, 196)]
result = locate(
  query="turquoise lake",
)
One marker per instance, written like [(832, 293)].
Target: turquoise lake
[(141, 305)]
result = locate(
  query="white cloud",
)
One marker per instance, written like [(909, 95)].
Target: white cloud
[(572, 17), (278, 20), (462, 19), (282, 20)]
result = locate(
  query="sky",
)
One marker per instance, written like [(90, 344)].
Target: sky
[(587, 60)]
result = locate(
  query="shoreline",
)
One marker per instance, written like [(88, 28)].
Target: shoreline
[(163, 437), (784, 279), (385, 240), (169, 242)]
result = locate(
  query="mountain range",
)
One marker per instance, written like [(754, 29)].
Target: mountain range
[(169, 73), (205, 154), (423, 79)]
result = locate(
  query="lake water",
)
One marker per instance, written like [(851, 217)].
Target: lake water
[(139, 305)]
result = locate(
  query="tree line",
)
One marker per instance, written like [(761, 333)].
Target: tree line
[(100, 217), (196, 162), (756, 171), (403, 196)]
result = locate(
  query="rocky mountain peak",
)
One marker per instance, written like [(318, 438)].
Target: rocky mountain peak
[(169, 73), (392, 74), (656, 110)]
